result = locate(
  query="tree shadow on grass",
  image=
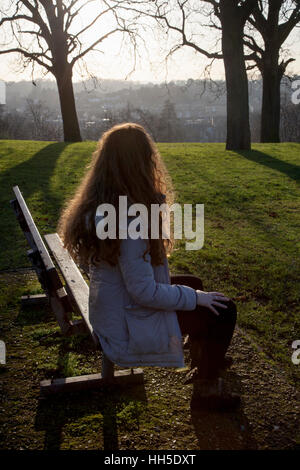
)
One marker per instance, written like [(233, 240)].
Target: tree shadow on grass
[(83, 415), (288, 169), (34, 315), (31, 176)]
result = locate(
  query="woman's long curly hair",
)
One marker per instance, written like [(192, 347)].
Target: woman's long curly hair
[(125, 163)]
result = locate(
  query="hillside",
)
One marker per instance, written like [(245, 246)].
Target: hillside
[(251, 252)]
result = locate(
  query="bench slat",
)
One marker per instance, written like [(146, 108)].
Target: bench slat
[(42, 263), (33, 230), (92, 381), (75, 283)]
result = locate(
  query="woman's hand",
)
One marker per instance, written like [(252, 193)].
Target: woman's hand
[(211, 300)]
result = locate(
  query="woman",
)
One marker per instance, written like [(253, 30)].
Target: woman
[(137, 311)]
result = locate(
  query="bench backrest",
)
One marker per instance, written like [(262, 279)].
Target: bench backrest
[(43, 264), (76, 286), (33, 237)]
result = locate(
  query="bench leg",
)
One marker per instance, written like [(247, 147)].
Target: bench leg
[(107, 367)]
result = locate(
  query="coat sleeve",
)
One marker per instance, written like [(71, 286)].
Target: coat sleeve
[(138, 276)]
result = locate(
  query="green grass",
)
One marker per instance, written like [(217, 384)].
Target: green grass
[(252, 223)]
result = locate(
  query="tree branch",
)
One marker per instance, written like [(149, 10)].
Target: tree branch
[(91, 47), (246, 9), (286, 28), (93, 22), (30, 55)]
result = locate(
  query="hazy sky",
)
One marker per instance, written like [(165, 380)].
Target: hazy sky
[(116, 62)]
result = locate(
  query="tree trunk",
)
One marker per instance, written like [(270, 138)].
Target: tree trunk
[(238, 125), (67, 105), (270, 114)]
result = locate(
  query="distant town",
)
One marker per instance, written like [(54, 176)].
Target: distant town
[(178, 111)]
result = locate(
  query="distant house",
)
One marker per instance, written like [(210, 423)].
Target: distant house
[(2, 92)]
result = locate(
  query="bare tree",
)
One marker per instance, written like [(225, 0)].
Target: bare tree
[(38, 111), (12, 126), (274, 20), (233, 16), (58, 40), (43, 127), (169, 125), (150, 121), (180, 17)]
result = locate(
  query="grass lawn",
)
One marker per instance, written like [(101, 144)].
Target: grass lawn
[(252, 222), (251, 252)]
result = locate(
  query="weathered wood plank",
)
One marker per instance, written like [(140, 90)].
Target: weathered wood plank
[(23, 224), (42, 263), (75, 284), (48, 263), (36, 300), (92, 381)]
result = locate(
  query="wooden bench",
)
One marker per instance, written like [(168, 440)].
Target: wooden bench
[(65, 300)]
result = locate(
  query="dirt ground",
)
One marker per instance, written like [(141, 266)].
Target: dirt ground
[(155, 415)]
